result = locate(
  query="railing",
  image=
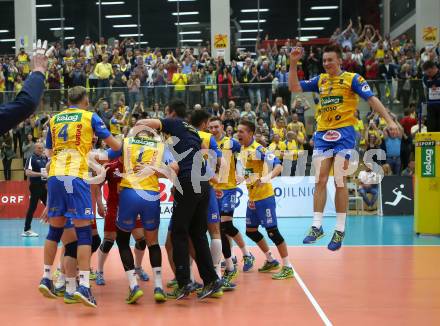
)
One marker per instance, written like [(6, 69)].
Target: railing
[(396, 94)]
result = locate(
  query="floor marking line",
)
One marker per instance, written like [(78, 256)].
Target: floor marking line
[(312, 300)]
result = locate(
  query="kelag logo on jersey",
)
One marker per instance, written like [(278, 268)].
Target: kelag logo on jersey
[(68, 117), (143, 141), (331, 100)]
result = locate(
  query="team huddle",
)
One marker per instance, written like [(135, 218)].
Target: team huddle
[(206, 168)]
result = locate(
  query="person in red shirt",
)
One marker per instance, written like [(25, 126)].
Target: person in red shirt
[(408, 121), (113, 178), (371, 73)]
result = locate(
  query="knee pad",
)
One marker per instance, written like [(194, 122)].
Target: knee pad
[(106, 245), (141, 244), (155, 255), (275, 236), (123, 238), (54, 233), (255, 236), (96, 241), (70, 249), (229, 228), (84, 235)]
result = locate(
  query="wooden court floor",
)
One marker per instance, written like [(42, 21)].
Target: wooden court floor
[(389, 285)]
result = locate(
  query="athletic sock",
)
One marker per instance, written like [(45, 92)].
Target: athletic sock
[(269, 256), (245, 251), (84, 278), (317, 219), (157, 272), (229, 264), (46, 271), (131, 275), (216, 253), (70, 285), (138, 257), (286, 262), (61, 280), (340, 221)]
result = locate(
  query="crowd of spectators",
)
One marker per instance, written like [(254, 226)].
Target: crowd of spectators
[(126, 83)]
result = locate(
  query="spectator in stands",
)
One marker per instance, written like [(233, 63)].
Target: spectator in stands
[(7, 154), (262, 127), (157, 112), (431, 81), (277, 146), (280, 129), (393, 145), (195, 86), (78, 75), (248, 113), (254, 87), (387, 71), (216, 110), (279, 110), (266, 77), (210, 86), (300, 106), (224, 81), (104, 72), (54, 85), (368, 185), (133, 85), (28, 149), (348, 37), (410, 169), (296, 125), (283, 88)]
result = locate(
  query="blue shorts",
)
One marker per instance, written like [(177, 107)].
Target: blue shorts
[(338, 141), (138, 202), (69, 197), (261, 212), (226, 201), (213, 211), (69, 224)]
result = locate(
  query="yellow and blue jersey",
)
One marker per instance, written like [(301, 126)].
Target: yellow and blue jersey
[(141, 151), (228, 147), (338, 98), (209, 143), (256, 161), (70, 136), (115, 127)]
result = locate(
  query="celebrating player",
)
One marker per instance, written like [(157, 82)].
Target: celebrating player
[(257, 163), (335, 136), (69, 140)]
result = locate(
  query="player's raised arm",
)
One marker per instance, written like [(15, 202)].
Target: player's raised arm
[(295, 56)]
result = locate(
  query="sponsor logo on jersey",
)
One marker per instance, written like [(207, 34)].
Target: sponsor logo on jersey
[(142, 141), (366, 88), (68, 117), (331, 100), (251, 204), (219, 194), (332, 135)]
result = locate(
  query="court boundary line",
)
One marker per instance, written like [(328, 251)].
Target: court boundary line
[(312, 299)]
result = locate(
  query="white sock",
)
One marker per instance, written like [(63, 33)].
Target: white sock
[(46, 271), (317, 219), (70, 285), (131, 275), (340, 221), (216, 253), (102, 257), (61, 280), (84, 278), (229, 264), (157, 273), (286, 262), (245, 251), (269, 256), (191, 274)]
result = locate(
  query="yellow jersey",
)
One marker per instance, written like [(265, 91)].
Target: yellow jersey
[(291, 151), (70, 136), (278, 149), (115, 127), (338, 98), (228, 147), (180, 81), (138, 151), (280, 132), (255, 160)]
